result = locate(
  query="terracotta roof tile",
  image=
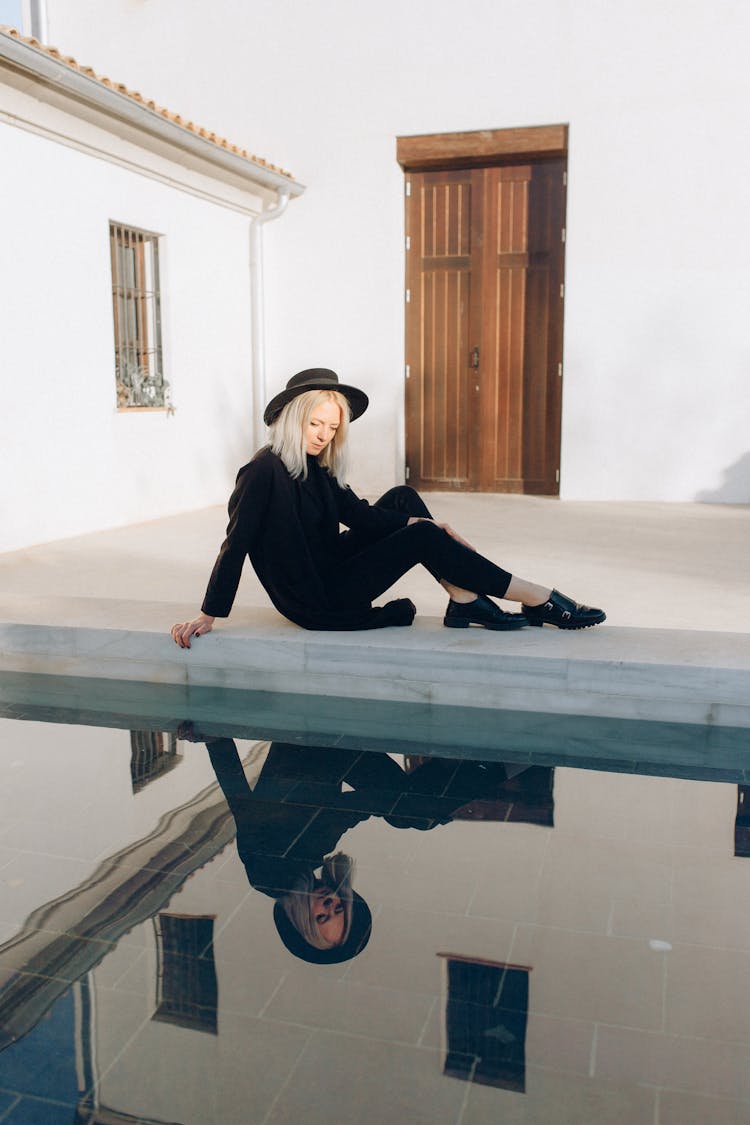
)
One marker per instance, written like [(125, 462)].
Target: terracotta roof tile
[(119, 88)]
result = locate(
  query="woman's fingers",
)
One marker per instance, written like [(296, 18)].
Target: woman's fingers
[(181, 633)]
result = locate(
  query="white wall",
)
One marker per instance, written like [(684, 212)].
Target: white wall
[(71, 462), (656, 342)]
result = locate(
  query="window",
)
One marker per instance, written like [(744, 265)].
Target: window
[(485, 1021), (187, 990), (742, 822), (152, 753), (139, 369)]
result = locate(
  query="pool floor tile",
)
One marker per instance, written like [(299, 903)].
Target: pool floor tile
[(352, 1008), (368, 1081), (561, 1099), (36, 1111), (690, 1109), (231, 1076)]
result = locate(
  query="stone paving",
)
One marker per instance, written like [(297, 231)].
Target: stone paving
[(673, 579)]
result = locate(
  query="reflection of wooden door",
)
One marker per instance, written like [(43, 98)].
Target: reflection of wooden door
[(484, 327)]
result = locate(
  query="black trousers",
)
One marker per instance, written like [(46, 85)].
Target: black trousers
[(371, 566)]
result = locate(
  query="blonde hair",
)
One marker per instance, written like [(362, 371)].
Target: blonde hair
[(337, 874), (287, 435)]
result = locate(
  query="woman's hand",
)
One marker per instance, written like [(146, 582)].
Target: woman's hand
[(446, 527), (186, 732), (181, 634)]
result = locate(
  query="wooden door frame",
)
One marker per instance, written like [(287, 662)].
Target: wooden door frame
[(484, 148)]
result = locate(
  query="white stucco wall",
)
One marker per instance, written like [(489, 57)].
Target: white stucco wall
[(71, 462), (657, 353)]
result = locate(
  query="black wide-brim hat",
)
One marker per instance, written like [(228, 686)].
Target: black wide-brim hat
[(359, 935), (315, 379)]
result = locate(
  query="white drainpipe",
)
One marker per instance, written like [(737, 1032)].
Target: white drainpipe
[(37, 18), (257, 314)]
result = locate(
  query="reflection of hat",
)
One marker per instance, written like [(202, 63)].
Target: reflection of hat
[(315, 379), (359, 935)]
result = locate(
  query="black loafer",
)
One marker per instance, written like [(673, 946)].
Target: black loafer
[(564, 613), (483, 612)]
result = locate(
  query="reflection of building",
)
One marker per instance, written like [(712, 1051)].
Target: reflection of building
[(486, 1010), (64, 939), (742, 822), (187, 993), (608, 1019), (72, 938), (152, 753)]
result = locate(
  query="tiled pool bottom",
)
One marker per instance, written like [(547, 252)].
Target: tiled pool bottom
[(562, 944)]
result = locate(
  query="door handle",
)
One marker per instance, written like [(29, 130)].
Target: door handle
[(475, 359)]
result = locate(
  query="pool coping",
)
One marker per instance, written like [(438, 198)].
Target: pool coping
[(663, 675)]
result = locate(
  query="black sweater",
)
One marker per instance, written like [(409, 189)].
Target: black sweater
[(290, 530)]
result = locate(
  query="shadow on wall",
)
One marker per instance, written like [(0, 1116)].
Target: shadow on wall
[(735, 487)]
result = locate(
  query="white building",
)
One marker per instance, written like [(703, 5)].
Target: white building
[(127, 294), (654, 349)]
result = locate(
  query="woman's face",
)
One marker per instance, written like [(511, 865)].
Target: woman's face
[(325, 420), (328, 913)]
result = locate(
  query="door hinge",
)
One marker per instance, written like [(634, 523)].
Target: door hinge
[(562, 235), (407, 472), (408, 187), (408, 242), (565, 179), (559, 371), (408, 371), (408, 296), (557, 476), (562, 291)]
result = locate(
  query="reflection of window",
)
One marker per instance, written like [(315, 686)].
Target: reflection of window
[(152, 753), (137, 317), (742, 822), (485, 1022), (186, 989)]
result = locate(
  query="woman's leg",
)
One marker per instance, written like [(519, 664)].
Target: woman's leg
[(405, 499), (461, 571), (374, 569)]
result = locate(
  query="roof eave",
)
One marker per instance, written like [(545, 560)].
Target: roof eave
[(93, 92)]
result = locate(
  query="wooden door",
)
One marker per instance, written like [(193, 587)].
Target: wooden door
[(484, 327)]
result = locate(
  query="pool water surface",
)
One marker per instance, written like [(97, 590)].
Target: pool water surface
[(548, 920)]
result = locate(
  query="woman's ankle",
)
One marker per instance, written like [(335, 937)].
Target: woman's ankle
[(456, 594), (529, 593)]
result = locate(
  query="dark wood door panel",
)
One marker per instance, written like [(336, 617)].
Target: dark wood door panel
[(441, 256), (484, 327)]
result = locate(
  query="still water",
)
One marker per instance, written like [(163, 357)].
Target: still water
[(235, 908)]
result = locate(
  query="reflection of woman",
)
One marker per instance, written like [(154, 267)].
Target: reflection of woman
[(285, 514), (289, 824), (288, 827)]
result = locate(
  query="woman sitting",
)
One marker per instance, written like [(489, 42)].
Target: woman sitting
[(285, 514)]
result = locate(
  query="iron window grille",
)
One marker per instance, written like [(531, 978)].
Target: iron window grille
[(486, 1012), (152, 754), (136, 305), (187, 991)]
